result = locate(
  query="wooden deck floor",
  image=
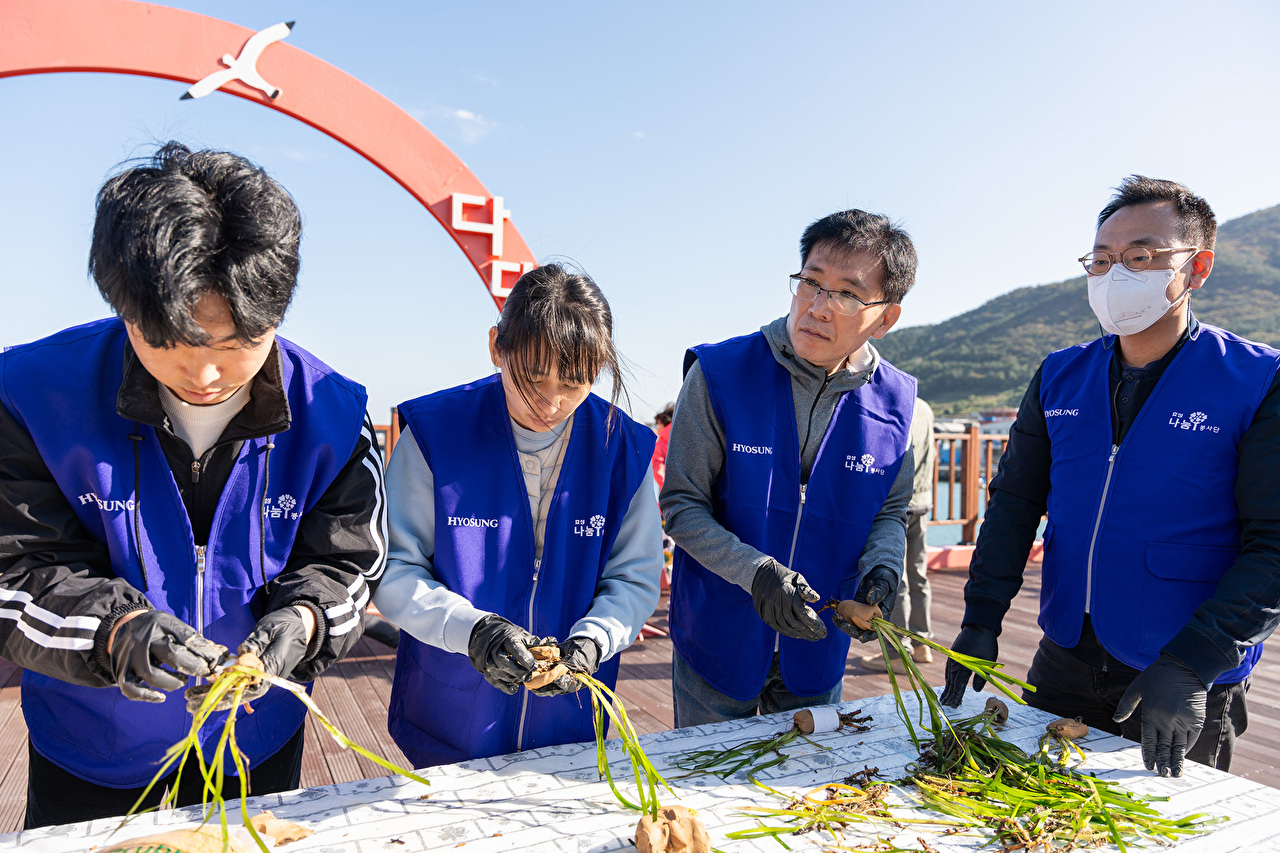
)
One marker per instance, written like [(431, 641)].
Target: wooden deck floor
[(355, 693)]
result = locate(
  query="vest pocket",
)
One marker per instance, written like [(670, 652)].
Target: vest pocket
[(444, 715), (81, 718), (451, 670), (1179, 578)]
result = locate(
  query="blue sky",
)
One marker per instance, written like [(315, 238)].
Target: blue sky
[(675, 151)]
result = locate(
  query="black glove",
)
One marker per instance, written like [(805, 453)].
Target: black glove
[(280, 640), (782, 599), (977, 641), (877, 588), (579, 654), (499, 650), (153, 638), (1173, 703)]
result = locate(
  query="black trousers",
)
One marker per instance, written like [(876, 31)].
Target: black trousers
[(55, 796), (1071, 687)]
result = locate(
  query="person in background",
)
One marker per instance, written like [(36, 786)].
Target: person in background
[(788, 479), (911, 608), (177, 476), (663, 421), (522, 515), (1154, 450)]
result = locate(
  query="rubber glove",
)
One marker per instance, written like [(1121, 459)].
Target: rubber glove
[(977, 641), (1173, 702), (579, 654), (499, 650), (877, 588), (146, 643), (782, 598), (280, 640)]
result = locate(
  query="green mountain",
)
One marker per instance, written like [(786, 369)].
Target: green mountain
[(986, 357)]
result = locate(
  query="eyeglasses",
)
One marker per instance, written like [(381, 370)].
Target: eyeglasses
[(1135, 258), (841, 301)]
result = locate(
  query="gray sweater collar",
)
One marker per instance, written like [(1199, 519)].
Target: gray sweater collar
[(809, 376)]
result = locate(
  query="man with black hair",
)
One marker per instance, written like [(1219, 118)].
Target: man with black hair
[(1153, 449), (788, 477), (174, 478)]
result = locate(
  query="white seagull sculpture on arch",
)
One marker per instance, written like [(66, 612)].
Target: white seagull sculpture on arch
[(67, 36), (245, 66)]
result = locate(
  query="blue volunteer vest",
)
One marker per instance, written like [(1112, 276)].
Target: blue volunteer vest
[(441, 709), (63, 389), (714, 625), (1164, 510)]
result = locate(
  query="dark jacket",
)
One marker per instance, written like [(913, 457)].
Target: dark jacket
[(1245, 608), (53, 568)]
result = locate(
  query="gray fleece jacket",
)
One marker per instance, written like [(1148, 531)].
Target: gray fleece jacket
[(697, 452)]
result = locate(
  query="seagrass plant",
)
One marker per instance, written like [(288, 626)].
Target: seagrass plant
[(606, 707), (890, 637), (978, 781), (230, 689), (832, 807), (968, 772), (753, 756), (758, 754)]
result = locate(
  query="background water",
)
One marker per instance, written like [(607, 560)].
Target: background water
[(949, 534)]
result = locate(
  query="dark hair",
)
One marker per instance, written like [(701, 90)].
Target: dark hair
[(664, 417), (554, 317), (1197, 226), (187, 223), (851, 231)]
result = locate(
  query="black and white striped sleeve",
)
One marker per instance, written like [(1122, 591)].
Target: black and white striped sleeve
[(58, 594), (338, 557)]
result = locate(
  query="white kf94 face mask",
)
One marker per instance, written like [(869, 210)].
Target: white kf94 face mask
[(1127, 302)]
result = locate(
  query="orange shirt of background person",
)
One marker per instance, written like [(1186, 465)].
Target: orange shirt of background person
[(663, 421)]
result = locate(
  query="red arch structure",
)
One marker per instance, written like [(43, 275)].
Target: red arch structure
[(124, 37)]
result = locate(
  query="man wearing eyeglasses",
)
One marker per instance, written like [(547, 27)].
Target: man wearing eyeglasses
[(789, 472), (1153, 450)]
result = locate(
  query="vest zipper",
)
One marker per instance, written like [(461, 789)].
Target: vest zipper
[(199, 626), (795, 535), (200, 590), (524, 699), (537, 566), (791, 558), (1097, 524)]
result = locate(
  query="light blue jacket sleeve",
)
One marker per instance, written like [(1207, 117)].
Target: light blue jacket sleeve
[(409, 596), (412, 599), (628, 590)]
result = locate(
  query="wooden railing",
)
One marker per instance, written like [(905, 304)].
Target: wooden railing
[(965, 464), (388, 435)]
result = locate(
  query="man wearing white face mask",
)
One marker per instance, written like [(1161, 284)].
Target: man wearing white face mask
[(1152, 450)]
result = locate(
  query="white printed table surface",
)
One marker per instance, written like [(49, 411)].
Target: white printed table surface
[(552, 799)]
